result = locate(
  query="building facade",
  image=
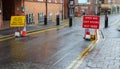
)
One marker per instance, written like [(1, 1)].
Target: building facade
[(115, 6), (93, 7), (87, 8), (112, 6), (34, 10)]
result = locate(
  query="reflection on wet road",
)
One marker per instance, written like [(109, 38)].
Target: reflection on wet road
[(49, 50)]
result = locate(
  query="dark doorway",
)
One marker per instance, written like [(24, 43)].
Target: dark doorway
[(8, 7)]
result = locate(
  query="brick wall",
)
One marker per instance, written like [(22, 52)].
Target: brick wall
[(54, 8), (106, 1), (116, 1), (18, 10), (37, 7)]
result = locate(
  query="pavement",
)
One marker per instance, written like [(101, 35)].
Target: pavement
[(31, 28), (106, 54)]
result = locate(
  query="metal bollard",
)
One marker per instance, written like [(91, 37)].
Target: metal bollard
[(27, 19), (106, 21), (70, 21), (57, 20), (45, 20)]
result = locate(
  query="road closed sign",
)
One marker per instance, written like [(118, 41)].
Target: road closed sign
[(91, 22), (17, 21)]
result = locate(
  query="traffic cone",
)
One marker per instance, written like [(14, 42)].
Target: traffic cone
[(24, 32), (87, 34)]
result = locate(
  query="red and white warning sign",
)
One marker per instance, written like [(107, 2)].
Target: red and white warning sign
[(91, 22)]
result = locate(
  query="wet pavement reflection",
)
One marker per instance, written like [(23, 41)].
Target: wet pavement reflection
[(48, 50)]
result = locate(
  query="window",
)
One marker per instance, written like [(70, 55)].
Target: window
[(55, 1), (109, 2), (40, 0), (88, 1), (50, 16), (71, 2), (61, 1), (76, 9), (57, 13), (40, 17), (102, 1), (49, 0)]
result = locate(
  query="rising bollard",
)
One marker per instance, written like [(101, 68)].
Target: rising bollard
[(57, 20), (45, 20), (70, 21), (106, 20)]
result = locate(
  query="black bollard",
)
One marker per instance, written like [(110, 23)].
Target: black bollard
[(45, 20), (70, 21), (106, 20), (57, 20)]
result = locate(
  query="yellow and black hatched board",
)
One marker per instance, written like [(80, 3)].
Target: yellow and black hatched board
[(17, 21)]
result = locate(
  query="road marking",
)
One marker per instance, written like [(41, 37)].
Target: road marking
[(3, 39), (80, 61), (60, 59), (75, 64), (40, 31), (87, 53), (58, 27)]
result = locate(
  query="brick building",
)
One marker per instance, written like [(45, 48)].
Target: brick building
[(92, 7), (33, 9), (113, 6), (87, 8), (68, 7)]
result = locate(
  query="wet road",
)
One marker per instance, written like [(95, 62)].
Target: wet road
[(48, 50), (54, 49)]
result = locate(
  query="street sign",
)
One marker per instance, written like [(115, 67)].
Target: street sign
[(17, 21), (91, 22)]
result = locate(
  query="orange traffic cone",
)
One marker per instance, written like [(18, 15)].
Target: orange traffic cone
[(87, 34), (24, 32)]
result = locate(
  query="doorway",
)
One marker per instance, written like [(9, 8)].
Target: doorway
[(8, 7)]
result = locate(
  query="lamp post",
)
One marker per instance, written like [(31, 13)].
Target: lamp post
[(71, 6), (99, 6), (62, 10)]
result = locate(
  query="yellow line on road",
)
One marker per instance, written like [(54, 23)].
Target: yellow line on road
[(77, 62), (87, 53), (80, 61), (3, 39), (58, 27)]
